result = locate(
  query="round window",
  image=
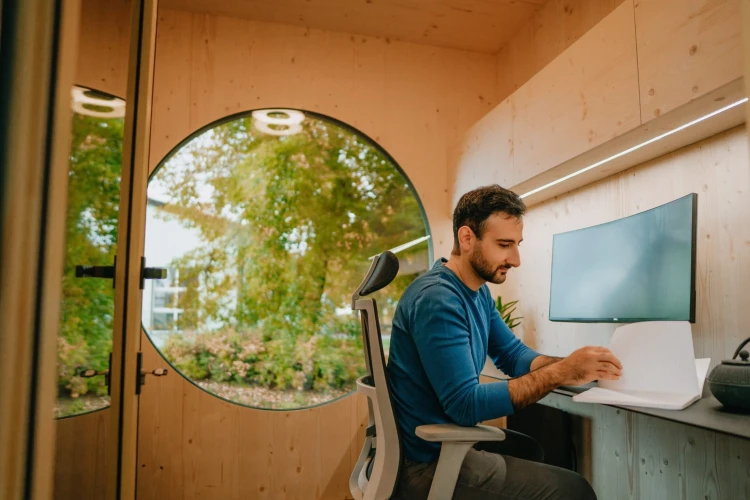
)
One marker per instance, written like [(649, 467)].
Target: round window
[(266, 222)]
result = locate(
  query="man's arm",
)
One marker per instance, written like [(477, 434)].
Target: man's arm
[(441, 333), (533, 386), (542, 361)]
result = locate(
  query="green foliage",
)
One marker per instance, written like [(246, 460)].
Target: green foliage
[(506, 310), (309, 363), (287, 226), (85, 337), (289, 223)]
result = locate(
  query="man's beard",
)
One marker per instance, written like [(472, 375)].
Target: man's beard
[(484, 269)]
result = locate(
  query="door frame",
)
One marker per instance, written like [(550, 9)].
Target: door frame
[(38, 52), (126, 335), (39, 41)]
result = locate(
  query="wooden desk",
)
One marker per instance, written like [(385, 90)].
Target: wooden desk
[(643, 453), (706, 413)]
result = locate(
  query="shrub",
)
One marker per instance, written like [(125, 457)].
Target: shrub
[(317, 362)]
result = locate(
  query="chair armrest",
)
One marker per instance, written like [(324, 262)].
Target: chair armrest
[(451, 433)]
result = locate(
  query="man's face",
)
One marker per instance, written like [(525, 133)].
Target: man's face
[(497, 251)]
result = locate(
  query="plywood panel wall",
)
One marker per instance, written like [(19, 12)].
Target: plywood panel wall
[(485, 153), (81, 456), (103, 46), (716, 169), (414, 100), (476, 25), (682, 50), (582, 99), (411, 99), (686, 48), (193, 445), (557, 26)]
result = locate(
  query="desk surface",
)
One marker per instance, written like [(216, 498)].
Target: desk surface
[(706, 413)]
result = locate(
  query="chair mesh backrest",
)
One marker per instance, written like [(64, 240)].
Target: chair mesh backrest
[(381, 273), (378, 377)]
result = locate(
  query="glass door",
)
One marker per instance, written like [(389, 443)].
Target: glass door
[(99, 364), (87, 311)]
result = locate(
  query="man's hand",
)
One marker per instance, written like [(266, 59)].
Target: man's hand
[(588, 364), (581, 367)]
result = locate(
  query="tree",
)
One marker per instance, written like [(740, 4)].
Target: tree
[(288, 224), (85, 338)]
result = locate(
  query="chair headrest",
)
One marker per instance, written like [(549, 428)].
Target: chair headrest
[(382, 271)]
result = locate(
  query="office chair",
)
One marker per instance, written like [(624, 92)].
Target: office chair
[(375, 474)]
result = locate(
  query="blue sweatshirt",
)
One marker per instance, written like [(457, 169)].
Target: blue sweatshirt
[(442, 333)]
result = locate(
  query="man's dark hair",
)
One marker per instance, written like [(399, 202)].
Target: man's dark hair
[(475, 207)]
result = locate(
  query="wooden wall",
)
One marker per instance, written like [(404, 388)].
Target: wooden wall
[(558, 25), (583, 98), (193, 445), (632, 456), (593, 91), (685, 49), (103, 46), (642, 60), (412, 99), (579, 100), (81, 456), (670, 53), (716, 169), (700, 34)]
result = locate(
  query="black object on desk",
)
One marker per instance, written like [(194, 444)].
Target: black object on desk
[(730, 381)]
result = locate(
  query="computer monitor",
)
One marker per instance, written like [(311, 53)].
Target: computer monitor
[(638, 268)]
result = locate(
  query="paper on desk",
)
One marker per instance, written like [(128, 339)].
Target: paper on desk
[(701, 367), (659, 368)]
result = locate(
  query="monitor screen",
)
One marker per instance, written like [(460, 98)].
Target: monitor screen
[(639, 268)]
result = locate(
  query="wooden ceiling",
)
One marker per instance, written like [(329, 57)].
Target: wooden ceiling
[(476, 25)]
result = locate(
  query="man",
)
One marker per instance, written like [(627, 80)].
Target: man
[(445, 325)]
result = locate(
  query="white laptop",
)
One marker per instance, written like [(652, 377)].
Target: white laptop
[(659, 369)]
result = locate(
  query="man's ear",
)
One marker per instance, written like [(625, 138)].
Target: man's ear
[(465, 238)]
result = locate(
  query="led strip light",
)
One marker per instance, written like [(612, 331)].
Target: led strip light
[(634, 148)]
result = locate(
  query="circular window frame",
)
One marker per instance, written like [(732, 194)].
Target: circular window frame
[(319, 116)]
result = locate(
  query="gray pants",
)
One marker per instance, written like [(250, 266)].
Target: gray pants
[(497, 475)]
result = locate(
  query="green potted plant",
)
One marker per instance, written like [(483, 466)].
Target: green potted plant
[(506, 310)]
